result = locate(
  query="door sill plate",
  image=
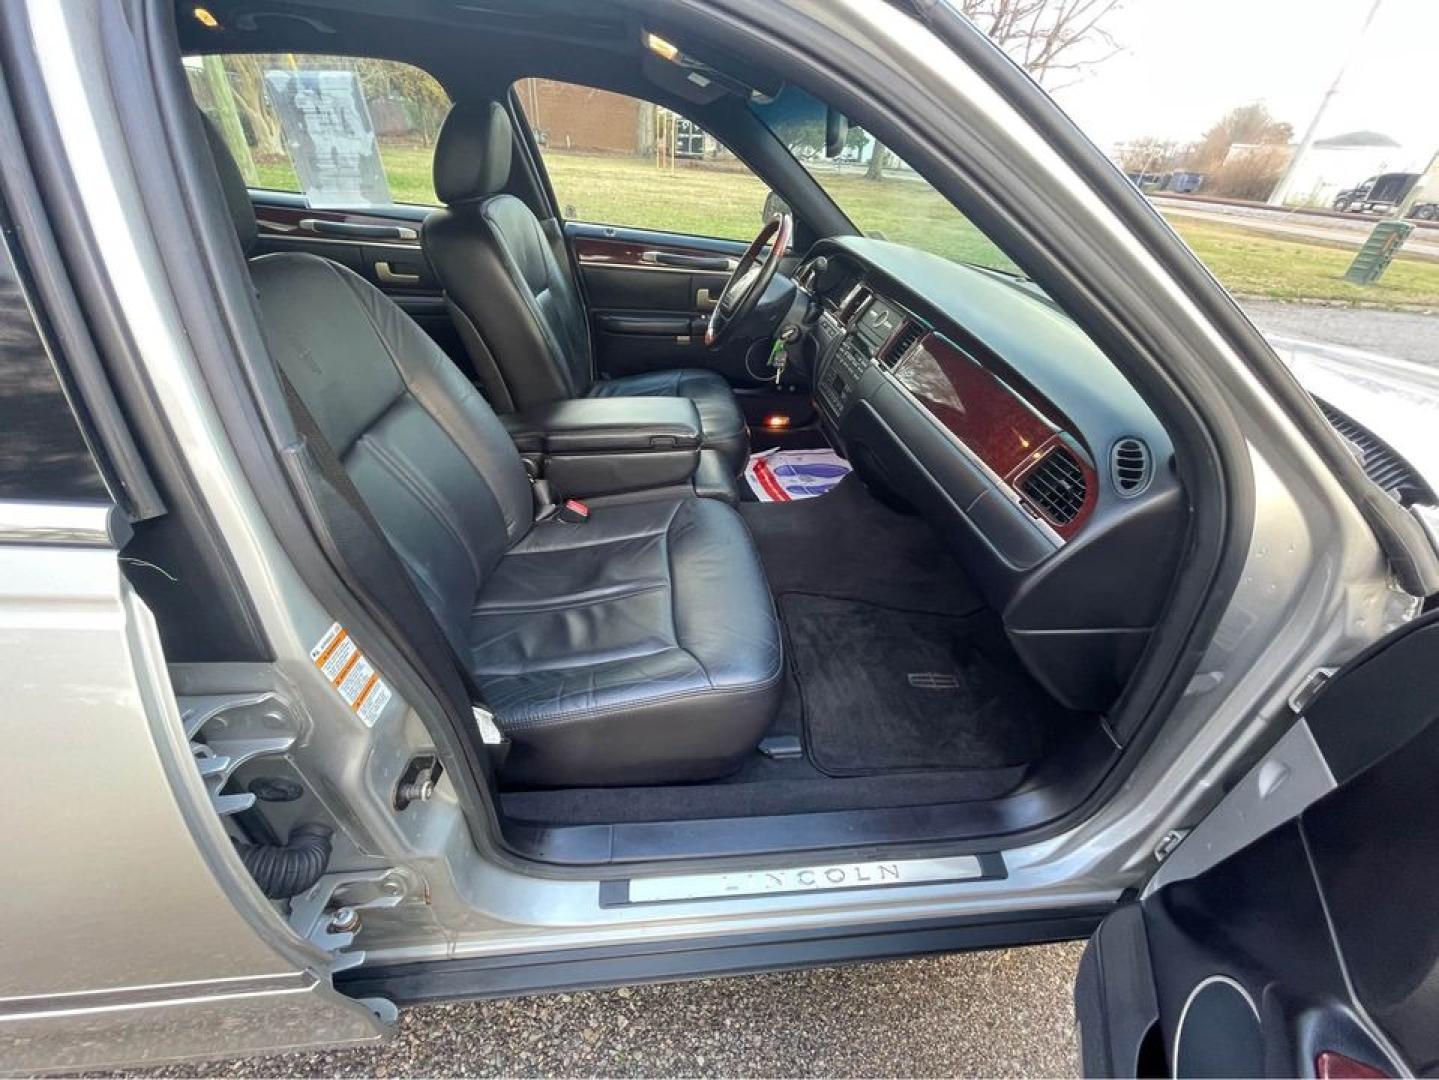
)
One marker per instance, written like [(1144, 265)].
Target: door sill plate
[(820, 877)]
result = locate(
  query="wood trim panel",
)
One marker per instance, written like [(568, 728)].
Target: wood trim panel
[(277, 220), (604, 251), (999, 426)]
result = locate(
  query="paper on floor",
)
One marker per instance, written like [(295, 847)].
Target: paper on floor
[(786, 475)]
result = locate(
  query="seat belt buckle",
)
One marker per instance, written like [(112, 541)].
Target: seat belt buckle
[(573, 512)]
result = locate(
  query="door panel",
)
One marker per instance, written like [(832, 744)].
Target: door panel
[(1326, 925), (382, 246), (649, 297)]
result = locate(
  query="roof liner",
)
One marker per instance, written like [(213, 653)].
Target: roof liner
[(475, 48)]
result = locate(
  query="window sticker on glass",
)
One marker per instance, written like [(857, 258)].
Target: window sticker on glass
[(330, 136)]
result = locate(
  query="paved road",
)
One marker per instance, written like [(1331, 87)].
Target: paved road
[(1005, 1013), (1403, 334), (1347, 231)]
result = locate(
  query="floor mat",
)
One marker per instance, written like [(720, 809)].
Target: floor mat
[(789, 475), (885, 690), (850, 546)]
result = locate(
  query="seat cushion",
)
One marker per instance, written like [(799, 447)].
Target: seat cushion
[(720, 416), (640, 646)]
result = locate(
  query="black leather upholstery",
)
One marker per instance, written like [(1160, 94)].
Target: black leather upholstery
[(654, 423), (640, 646), (496, 262), (723, 424), (479, 144)]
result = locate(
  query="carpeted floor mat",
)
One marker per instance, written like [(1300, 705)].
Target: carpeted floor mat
[(887, 690), (848, 544)]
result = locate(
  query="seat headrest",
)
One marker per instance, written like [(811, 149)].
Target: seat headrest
[(472, 154), (232, 183)]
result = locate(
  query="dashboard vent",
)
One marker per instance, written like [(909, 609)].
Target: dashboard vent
[(1380, 463), (1131, 466), (854, 303), (1056, 486), (901, 344)]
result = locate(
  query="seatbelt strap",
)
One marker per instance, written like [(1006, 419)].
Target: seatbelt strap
[(361, 542)]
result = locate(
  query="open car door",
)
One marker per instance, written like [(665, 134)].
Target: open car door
[(1309, 950)]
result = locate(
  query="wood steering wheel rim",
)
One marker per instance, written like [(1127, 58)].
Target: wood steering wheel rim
[(730, 310)]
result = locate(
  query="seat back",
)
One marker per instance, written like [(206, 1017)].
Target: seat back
[(429, 457), (432, 462), (513, 300)]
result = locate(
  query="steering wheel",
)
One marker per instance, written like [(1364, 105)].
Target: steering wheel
[(752, 275)]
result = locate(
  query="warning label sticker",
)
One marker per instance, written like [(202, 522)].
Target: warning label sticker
[(352, 676)]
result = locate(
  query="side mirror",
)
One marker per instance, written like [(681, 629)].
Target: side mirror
[(836, 131), (773, 205)]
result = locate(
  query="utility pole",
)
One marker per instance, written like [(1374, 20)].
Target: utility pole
[(1281, 189)]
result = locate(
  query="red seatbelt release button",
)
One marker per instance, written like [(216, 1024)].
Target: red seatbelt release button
[(574, 511)]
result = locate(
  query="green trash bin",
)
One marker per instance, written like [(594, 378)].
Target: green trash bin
[(1378, 252)]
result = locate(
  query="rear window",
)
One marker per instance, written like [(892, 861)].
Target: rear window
[(343, 131)]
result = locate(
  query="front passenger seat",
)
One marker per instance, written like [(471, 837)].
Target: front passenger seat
[(513, 302), (639, 646)]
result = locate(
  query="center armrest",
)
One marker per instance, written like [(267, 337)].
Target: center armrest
[(606, 425)]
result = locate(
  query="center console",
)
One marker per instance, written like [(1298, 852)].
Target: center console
[(865, 330), (593, 448)]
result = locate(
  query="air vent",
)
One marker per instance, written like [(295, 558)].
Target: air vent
[(854, 303), (1381, 464), (900, 344), (1055, 487), (1131, 467)]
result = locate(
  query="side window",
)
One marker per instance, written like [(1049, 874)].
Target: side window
[(42, 453), (344, 131), (618, 160)]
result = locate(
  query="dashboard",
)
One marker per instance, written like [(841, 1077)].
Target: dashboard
[(973, 399)]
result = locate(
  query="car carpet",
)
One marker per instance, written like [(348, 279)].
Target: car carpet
[(887, 690), (848, 544), (822, 548)]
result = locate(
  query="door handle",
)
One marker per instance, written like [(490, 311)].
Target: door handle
[(713, 263), (355, 231), (390, 276), (704, 301)]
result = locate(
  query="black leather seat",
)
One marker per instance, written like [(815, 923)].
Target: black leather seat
[(515, 306), (640, 646)]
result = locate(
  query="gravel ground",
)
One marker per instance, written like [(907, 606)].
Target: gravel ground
[(1000, 1013), (1408, 335)]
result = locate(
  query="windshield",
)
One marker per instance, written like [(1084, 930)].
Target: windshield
[(878, 191)]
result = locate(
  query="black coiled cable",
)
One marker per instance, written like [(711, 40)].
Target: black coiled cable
[(283, 872)]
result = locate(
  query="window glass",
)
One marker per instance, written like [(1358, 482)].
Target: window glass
[(879, 192), (345, 131), (618, 160), (42, 453)]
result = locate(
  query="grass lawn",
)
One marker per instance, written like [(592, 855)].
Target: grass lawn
[(717, 201)]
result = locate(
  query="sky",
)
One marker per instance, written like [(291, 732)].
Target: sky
[(1186, 62)]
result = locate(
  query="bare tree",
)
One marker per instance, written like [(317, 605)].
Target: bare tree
[(1056, 41), (1051, 39), (878, 159), (1148, 154), (1247, 125)]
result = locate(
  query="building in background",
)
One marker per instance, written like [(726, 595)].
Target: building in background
[(1341, 162)]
